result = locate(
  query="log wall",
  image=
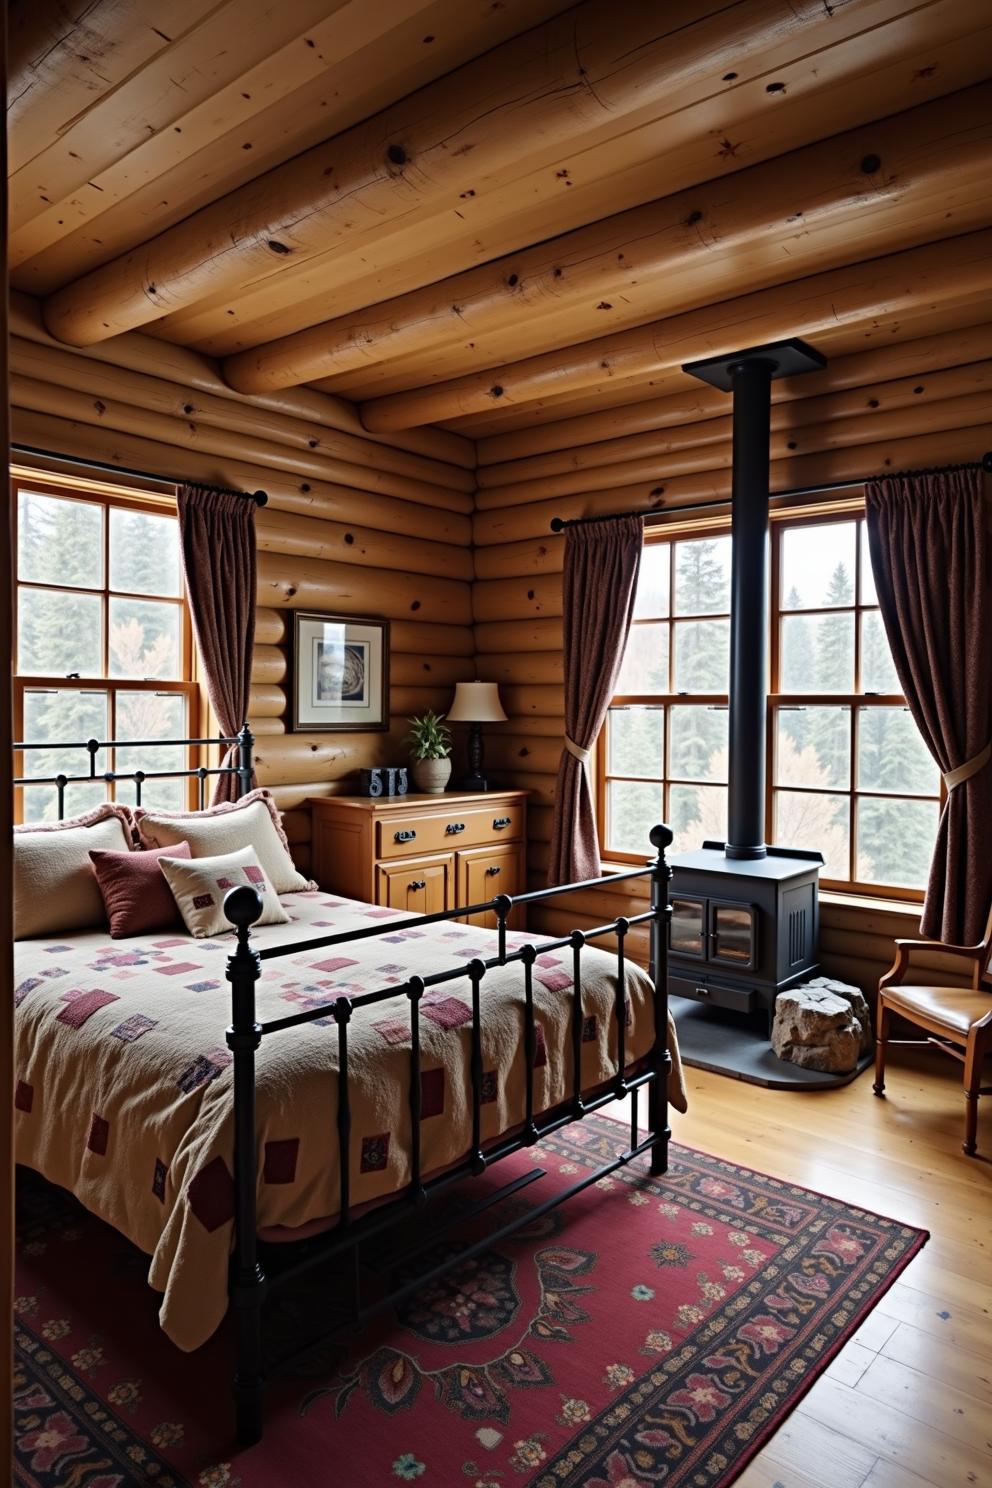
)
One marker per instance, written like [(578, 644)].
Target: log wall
[(462, 562), (353, 525), (913, 403)]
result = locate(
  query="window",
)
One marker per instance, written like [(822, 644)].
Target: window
[(103, 644), (848, 772), (664, 754)]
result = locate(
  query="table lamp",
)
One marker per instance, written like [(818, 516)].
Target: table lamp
[(475, 703)]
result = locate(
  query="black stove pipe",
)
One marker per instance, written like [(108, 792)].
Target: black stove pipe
[(751, 380), (749, 375)]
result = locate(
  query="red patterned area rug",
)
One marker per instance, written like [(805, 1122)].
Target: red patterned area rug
[(653, 1331)]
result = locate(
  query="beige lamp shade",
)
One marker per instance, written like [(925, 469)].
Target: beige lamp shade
[(476, 702)]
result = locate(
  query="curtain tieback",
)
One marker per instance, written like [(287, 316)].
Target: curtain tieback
[(970, 767), (582, 755)]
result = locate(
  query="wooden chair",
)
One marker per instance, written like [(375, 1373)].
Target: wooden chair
[(957, 1019)]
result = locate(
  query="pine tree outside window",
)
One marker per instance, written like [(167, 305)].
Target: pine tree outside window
[(848, 773), (663, 754), (103, 644)]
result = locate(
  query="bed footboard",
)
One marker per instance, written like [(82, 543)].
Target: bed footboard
[(248, 1283)]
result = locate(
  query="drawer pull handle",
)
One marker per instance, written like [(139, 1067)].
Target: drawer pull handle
[(453, 828), (418, 883), (494, 870), (702, 991), (502, 821), (407, 836)]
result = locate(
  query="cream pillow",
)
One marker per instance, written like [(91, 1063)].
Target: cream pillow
[(55, 888), (251, 822), (199, 886)]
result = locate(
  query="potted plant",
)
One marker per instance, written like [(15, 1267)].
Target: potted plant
[(430, 750)]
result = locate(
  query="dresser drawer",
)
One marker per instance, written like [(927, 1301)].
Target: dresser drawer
[(399, 836), (417, 886), (484, 872), (717, 994)]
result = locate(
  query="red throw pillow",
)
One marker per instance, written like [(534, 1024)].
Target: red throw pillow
[(135, 891)]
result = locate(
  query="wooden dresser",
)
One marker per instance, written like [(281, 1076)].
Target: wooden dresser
[(422, 853)]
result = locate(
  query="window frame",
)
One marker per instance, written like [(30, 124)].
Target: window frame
[(672, 536), (781, 521), (855, 702), (187, 686)]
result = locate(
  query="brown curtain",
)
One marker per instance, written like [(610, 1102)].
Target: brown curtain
[(217, 532), (932, 561), (601, 564)]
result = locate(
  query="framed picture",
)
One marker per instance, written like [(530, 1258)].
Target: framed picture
[(340, 672)]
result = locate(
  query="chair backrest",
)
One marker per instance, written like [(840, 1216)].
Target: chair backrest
[(986, 945)]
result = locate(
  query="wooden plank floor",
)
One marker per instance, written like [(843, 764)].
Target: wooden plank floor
[(908, 1401)]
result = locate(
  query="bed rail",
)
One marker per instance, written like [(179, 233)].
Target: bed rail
[(243, 770), (249, 1285)]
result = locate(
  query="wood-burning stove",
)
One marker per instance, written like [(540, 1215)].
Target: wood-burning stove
[(742, 930)]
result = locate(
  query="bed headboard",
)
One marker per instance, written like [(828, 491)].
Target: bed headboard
[(242, 770)]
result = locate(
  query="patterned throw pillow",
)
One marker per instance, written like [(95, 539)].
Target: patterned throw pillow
[(251, 822), (199, 886)]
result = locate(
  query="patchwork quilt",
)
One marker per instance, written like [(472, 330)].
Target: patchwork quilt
[(124, 1082)]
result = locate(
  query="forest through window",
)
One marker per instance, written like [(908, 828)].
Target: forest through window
[(102, 645), (849, 774)]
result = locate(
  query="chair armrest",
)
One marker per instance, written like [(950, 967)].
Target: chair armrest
[(905, 948)]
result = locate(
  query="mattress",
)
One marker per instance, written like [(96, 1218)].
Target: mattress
[(124, 1081)]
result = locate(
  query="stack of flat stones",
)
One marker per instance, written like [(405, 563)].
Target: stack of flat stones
[(822, 1025)]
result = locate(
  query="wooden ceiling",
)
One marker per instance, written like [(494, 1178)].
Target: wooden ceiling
[(491, 213)]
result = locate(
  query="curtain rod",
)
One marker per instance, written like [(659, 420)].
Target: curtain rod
[(260, 498), (558, 524)]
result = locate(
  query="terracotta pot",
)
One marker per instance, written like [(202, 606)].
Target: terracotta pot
[(431, 775)]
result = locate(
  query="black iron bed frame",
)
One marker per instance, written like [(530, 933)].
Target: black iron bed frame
[(243, 742), (249, 1285)]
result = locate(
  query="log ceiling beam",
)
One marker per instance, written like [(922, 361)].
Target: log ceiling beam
[(954, 270), (77, 50), (955, 398), (106, 155), (885, 185), (618, 397), (871, 64), (563, 445), (711, 425), (534, 97)]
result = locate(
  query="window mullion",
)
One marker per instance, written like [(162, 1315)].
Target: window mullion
[(858, 676), (852, 846), (105, 602), (112, 721)]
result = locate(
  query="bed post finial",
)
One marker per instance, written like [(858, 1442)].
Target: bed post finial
[(242, 907), (661, 1061)]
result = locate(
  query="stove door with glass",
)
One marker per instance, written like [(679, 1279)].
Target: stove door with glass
[(707, 939)]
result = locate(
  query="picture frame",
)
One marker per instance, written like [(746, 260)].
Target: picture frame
[(340, 676)]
